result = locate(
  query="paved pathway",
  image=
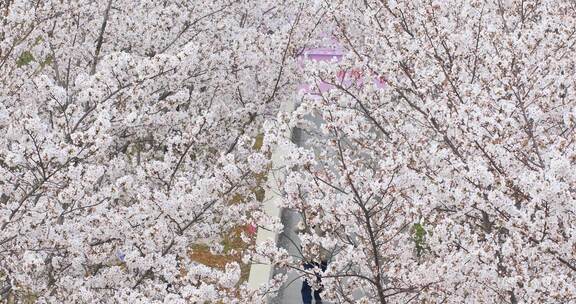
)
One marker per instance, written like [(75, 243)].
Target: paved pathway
[(290, 292)]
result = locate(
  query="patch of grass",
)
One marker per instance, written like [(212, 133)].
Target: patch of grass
[(419, 237), (24, 59), (22, 296), (258, 142)]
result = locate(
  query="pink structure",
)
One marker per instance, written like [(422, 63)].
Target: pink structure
[(348, 78), (323, 54)]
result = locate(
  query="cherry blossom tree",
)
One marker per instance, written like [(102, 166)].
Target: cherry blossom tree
[(126, 134), (453, 181), (440, 171)]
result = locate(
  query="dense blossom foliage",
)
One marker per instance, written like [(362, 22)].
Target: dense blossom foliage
[(126, 133), (438, 162), (454, 182)]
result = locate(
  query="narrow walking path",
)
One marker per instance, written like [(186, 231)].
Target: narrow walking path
[(260, 274), (288, 239), (290, 292)]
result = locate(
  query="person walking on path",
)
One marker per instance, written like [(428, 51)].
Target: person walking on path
[(315, 263), (307, 288)]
